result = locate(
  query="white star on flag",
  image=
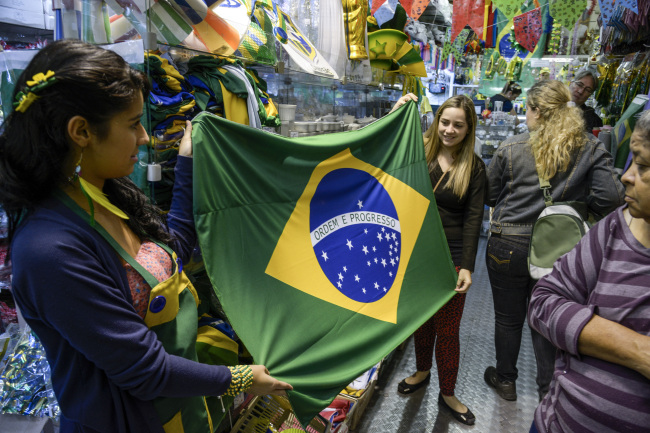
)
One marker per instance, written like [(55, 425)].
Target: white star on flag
[(324, 256), (360, 204), (365, 250)]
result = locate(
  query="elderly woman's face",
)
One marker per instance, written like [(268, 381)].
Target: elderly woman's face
[(637, 177)]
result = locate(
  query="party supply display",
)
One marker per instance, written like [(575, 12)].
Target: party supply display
[(26, 387)]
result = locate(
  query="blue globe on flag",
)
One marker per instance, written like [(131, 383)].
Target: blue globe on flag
[(355, 234)]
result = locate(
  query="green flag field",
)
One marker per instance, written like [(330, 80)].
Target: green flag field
[(326, 252)]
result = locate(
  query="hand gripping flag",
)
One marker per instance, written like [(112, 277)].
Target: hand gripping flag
[(326, 252)]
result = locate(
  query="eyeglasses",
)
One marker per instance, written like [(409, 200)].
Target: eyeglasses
[(582, 87)]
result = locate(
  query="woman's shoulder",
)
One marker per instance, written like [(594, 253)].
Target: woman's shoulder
[(518, 141), (478, 164), (49, 229)]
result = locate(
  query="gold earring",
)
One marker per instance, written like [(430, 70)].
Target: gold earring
[(77, 170)]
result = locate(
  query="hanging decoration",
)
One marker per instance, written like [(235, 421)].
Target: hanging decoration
[(218, 35), (417, 8), (514, 42), (458, 46), (566, 12), (467, 12), (528, 29), (355, 13), (509, 8), (556, 39), (389, 50), (383, 11), (515, 66), (299, 48), (608, 8)]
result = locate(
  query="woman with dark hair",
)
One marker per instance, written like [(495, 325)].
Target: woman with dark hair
[(579, 169), (510, 92), (95, 267), (459, 178)]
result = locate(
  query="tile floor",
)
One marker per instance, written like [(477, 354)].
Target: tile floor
[(390, 412)]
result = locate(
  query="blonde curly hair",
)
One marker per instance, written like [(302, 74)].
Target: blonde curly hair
[(560, 129)]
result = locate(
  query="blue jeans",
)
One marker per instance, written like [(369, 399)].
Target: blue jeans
[(507, 264)]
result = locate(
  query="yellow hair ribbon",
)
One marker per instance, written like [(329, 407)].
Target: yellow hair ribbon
[(40, 78), (24, 101), (93, 193)]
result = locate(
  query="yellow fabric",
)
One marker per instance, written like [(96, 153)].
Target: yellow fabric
[(175, 425), (214, 337), (170, 289), (234, 108), (99, 197)]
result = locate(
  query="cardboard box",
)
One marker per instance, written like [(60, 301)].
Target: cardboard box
[(24, 5), (22, 18)]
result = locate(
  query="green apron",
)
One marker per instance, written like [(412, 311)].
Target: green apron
[(172, 315)]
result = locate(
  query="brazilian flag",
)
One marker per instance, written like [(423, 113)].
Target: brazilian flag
[(326, 252)]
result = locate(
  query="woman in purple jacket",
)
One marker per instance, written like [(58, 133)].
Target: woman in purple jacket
[(594, 307)]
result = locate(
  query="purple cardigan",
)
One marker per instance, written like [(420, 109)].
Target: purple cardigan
[(72, 290), (608, 274)]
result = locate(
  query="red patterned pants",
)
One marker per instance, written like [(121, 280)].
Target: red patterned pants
[(441, 331)]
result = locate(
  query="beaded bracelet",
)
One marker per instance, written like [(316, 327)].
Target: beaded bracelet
[(242, 380)]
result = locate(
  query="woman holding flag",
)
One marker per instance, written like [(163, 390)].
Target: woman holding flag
[(97, 273), (459, 181)]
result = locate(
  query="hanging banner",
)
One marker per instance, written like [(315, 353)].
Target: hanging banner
[(567, 13), (417, 8), (509, 8), (299, 48), (528, 28), (458, 47), (468, 13)]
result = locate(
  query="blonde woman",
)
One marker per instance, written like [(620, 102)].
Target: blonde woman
[(458, 178), (579, 169)]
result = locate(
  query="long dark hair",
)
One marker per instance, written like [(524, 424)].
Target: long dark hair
[(91, 82)]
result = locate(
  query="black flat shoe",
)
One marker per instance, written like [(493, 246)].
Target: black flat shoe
[(467, 418), (407, 388)]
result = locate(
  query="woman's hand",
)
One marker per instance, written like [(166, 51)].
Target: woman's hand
[(464, 281), (185, 147), (403, 100), (264, 383)]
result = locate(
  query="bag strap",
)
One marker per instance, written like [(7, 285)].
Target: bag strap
[(74, 207), (545, 186), (439, 180)]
